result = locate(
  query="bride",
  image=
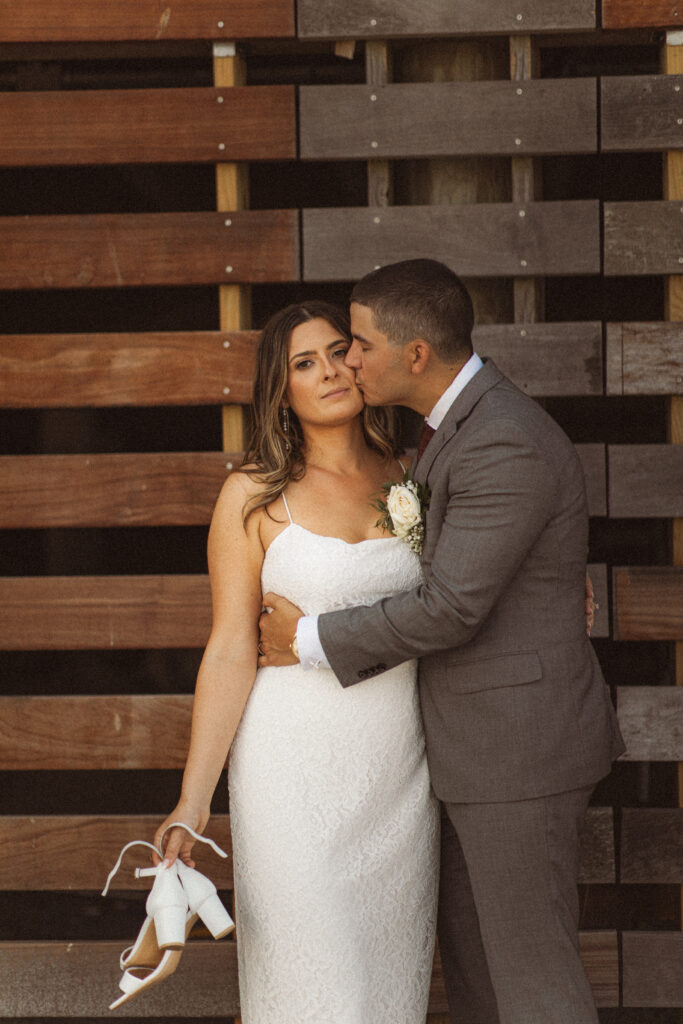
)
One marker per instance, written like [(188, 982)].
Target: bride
[(333, 823)]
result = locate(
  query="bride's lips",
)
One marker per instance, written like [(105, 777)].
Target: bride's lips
[(337, 392)]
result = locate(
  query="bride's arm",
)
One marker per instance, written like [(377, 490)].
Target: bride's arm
[(228, 667)]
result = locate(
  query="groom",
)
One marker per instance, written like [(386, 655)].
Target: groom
[(518, 720)]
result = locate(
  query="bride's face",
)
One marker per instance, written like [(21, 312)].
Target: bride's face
[(321, 389)]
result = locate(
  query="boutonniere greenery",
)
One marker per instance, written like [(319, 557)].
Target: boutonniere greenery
[(403, 511)]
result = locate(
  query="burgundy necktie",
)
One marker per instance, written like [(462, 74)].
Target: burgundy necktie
[(425, 437)]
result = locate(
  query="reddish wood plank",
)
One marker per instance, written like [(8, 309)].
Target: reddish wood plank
[(645, 480), (477, 240), (651, 849), (149, 489), (53, 853), (62, 370), (83, 20), (363, 19), (465, 118), (652, 969), (95, 612), (645, 359), (641, 13), (96, 732), (641, 112), (651, 720), (545, 358), (648, 603), (643, 238), (148, 126), (111, 250)]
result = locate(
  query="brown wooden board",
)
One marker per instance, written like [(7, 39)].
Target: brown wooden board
[(94, 733), (652, 974), (85, 20), (648, 603), (149, 489), (641, 13), (465, 119), (39, 371), (597, 847), (476, 240), (79, 979), (112, 250), (543, 359), (101, 612), (365, 19), (651, 720), (147, 126), (60, 854), (641, 112), (645, 480), (651, 848), (643, 238), (644, 359), (594, 466)]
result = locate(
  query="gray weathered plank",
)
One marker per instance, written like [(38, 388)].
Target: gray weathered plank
[(645, 480), (641, 112), (648, 602), (643, 238), (597, 847), (39, 371), (651, 849), (595, 469), (644, 359), (478, 240), (465, 118), (135, 249), (365, 19), (546, 358), (651, 720), (652, 974)]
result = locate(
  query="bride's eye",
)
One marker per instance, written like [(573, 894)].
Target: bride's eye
[(303, 365)]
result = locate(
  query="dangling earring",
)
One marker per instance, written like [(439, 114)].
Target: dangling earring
[(285, 428)]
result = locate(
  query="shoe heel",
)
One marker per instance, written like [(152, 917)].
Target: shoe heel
[(215, 917), (169, 923)]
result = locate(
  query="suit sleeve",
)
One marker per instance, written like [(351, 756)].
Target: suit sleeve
[(501, 493)]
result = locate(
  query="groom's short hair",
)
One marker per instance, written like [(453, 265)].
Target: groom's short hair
[(420, 299)]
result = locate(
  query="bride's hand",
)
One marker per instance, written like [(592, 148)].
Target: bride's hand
[(278, 628), (178, 842)]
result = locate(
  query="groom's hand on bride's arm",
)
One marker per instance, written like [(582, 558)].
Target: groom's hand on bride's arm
[(277, 624)]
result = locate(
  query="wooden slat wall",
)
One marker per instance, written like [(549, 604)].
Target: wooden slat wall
[(644, 359), (643, 238), (641, 13)]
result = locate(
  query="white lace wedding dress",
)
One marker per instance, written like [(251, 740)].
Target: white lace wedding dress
[(335, 831)]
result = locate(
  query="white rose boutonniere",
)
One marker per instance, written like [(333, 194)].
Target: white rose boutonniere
[(403, 511)]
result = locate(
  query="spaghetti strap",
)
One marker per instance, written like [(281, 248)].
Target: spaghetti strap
[(287, 508), (400, 464)]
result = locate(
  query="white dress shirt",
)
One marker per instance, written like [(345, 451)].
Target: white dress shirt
[(311, 653)]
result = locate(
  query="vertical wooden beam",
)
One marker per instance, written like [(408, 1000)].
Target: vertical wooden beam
[(378, 71), (526, 182), (673, 189)]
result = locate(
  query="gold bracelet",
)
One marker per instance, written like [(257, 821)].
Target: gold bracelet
[(294, 647)]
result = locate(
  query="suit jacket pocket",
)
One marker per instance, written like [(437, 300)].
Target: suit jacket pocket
[(493, 673)]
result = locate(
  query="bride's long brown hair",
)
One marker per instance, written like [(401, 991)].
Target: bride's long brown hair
[(273, 456)]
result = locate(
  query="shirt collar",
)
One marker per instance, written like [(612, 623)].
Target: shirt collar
[(472, 366)]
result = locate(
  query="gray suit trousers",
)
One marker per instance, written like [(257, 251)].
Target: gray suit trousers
[(509, 914)]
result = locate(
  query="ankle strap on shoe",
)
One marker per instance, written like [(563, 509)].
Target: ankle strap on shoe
[(142, 842)]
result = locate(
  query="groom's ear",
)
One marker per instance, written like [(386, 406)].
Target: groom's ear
[(419, 354)]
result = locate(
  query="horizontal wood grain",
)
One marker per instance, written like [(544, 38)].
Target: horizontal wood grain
[(465, 119), (475, 240), (61, 854), (643, 238), (644, 358), (147, 126), (651, 721), (651, 848), (544, 358), (641, 13), (363, 19), (648, 603), (95, 612), (83, 20), (79, 979), (645, 480), (40, 371), (113, 250), (147, 489), (641, 112), (652, 974)]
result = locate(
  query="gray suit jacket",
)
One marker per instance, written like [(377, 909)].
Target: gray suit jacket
[(513, 699)]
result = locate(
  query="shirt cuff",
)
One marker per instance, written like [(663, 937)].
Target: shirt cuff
[(311, 653)]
